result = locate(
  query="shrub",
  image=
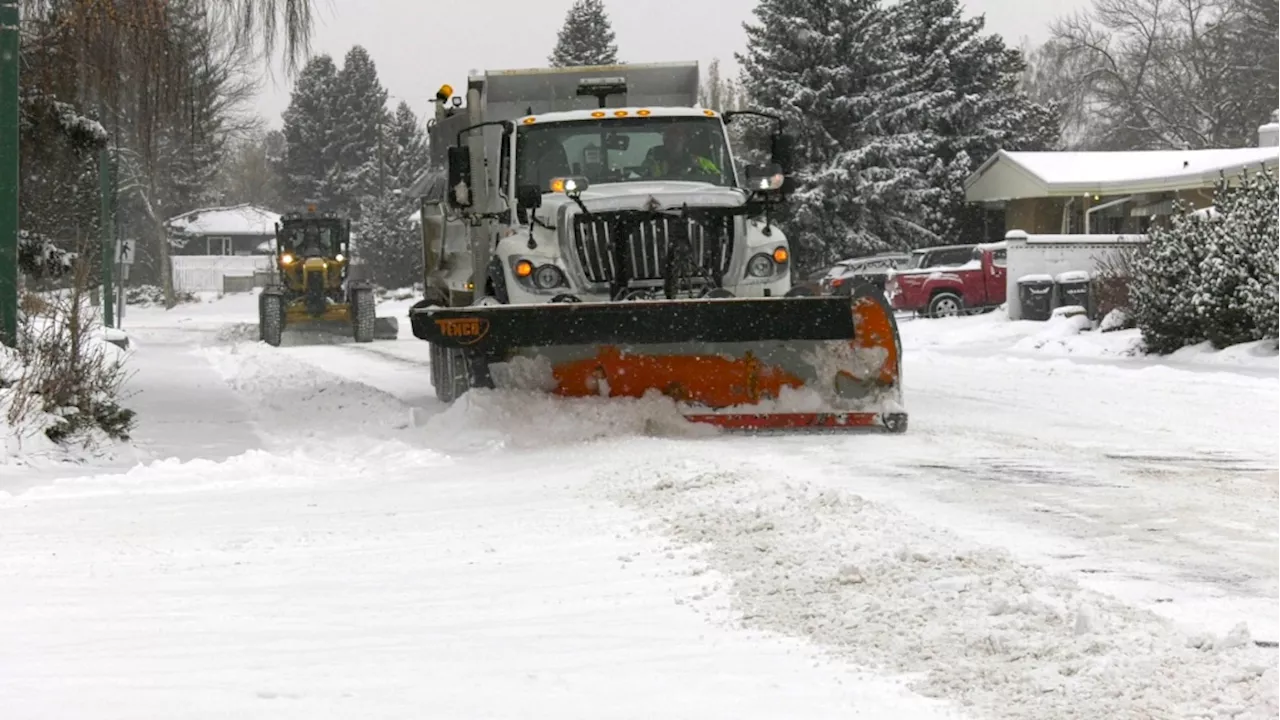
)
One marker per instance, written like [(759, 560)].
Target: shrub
[(1166, 271), (63, 376)]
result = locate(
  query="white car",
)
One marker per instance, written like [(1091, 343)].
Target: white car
[(873, 268)]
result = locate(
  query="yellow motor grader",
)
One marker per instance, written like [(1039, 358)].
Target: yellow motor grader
[(312, 289)]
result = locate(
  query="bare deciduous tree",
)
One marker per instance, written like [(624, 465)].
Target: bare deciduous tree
[(1155, 74)]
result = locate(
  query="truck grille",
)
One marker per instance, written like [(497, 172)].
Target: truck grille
[(644, 245)]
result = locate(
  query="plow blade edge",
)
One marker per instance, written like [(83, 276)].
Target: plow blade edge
[(752, 364)]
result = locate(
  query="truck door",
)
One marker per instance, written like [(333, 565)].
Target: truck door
[(996, 274)]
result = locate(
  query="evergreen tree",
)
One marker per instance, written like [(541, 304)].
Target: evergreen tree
[(1236, 296), (965, 103), (587, 37), (359, 126), (1166, 273), (310, 152), (408, 147), (387, 244), (834, 70)]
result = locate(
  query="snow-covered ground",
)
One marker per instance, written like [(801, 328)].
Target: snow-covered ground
[(1064, 532)]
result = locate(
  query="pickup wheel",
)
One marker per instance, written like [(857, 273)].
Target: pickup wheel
[(945, 304)]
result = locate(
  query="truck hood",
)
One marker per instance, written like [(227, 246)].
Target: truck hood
[(639, 195)]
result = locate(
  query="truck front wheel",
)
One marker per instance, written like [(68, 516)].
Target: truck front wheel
[(945, 304)]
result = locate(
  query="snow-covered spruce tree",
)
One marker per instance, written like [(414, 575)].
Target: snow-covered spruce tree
[(408, 148), (1236, 296), (1166, 274), (310, 151), (586, 38), (834, 70), (387, 245), (964, 104), (360, 126)]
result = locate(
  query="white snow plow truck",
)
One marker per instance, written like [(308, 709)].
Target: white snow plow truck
[(587, 232)]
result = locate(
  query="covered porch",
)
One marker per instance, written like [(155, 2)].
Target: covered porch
[(1108, 193)]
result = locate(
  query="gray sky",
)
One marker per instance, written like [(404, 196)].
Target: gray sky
[(419, 45)]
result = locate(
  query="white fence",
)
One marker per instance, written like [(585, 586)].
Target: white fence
[(205, 273), (1055, 254)]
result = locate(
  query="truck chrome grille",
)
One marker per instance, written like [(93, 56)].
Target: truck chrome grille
[(645, 245)]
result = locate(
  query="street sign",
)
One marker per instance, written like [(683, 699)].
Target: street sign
[(124, 252)]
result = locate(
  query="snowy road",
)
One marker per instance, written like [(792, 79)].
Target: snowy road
[(1052, 538)]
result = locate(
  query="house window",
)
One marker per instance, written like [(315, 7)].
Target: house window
[(219, 246)]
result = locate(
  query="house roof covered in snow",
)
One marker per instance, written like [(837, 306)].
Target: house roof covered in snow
[(1012, 175), (244, 219)]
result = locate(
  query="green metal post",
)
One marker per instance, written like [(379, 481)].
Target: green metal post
[(107, 228), (9, 172)]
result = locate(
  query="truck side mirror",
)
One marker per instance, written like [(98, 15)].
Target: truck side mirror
[(780, 147), (767, 180), (459, 191), (529, 197)]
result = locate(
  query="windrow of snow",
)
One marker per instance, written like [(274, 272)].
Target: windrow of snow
[(973, 625), (489, 419)]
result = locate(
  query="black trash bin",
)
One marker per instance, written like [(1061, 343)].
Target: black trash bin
[(1075, 288), (1035, 297)]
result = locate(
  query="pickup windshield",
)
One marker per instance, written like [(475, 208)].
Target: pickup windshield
[(624, 150)]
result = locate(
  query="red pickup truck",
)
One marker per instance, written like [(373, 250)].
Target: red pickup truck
[(946, 290)]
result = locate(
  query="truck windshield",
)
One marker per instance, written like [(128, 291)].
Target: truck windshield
[(624, 150)]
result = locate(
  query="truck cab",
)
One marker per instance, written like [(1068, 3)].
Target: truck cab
[(555, 185)]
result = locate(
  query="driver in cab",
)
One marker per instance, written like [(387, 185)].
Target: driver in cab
[(680, 157)]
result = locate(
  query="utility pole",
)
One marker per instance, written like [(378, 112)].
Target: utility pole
[(9, 172), (106, 226)]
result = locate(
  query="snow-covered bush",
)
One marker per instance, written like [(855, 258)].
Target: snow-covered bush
[(63, 379), (1166, 274), (1211, 276), (154, 295), (39, 257)]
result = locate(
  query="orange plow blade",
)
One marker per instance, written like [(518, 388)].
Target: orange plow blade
[(758, 364)]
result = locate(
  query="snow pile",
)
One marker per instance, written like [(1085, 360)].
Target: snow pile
[(495, 419), (295, 400), (59, 395), (1070, 335), (971, 624)]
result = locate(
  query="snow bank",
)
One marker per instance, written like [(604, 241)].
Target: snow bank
[(1069, 334), (27, 427), (971, 624)]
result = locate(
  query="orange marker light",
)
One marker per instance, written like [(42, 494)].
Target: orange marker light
[(529, 121), (597, 114), (619, 113), (780, 255), (524, 269), (557, 185), (644, 113)]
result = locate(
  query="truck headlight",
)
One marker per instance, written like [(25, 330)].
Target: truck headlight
[(760, 266), (547, 277)]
